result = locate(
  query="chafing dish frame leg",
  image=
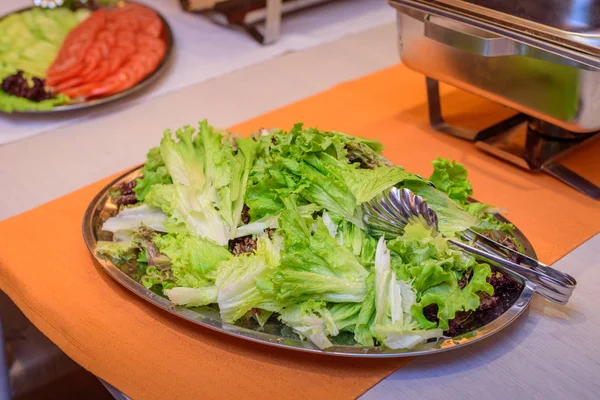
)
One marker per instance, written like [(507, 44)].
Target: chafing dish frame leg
[(272, 24), (551, 166), (572, 179), (437, 121), (272, 19)]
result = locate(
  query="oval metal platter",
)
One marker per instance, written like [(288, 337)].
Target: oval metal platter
[(273, 333), (167, 36)]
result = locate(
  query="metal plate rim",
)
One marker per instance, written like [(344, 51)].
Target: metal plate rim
[(509, 316), (141, 85)]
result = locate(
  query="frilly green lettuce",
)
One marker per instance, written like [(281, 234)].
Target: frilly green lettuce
[(239, 281), (311, 320), (451, 177), (194, 260)]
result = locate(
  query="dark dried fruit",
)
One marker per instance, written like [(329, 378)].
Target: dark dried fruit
[(18, 86), (430, 312), (123, 194), (270, 232), (246, 214), (246, 244)]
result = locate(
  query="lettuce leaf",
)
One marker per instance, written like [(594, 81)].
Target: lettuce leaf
[(154, 172), (189, 207), (358, 241), (362, 330), (345, 315), (450, 298), (394, 324), (194, 260), (368, 183), (311, 320), (10, 103), (192, 297), (130, 219), (315, 266), (423, 257), (451, 178), (118, 252), (332, 170), (243, 282), (451, 216), (161, 279), (486, 215), (210, 172)]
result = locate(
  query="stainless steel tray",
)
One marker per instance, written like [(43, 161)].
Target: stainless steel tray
[(167, 36), (273, 334)]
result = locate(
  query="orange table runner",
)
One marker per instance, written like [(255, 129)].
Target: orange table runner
[(149, 354)]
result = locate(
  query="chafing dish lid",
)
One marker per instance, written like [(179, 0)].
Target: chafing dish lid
[(570, 23)]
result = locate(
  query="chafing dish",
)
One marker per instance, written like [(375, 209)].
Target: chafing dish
[(541, 58)]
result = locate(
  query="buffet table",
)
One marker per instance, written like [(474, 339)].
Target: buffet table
[(549, 353)]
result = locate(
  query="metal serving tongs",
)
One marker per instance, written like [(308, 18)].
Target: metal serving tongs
[(388, 214)]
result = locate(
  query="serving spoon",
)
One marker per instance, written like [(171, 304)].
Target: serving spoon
[(390, 212)]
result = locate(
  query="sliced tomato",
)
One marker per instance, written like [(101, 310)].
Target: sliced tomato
[(83, 91), (116, 59), (108, 53), (75, 48), (73, 82), (98, 74), (62, 75)]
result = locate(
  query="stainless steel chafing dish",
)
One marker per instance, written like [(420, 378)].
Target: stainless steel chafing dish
[(539, 57)]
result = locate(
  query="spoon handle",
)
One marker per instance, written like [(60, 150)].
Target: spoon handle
[(550, 283)]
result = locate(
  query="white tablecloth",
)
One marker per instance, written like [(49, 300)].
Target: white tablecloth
[(204, 51)]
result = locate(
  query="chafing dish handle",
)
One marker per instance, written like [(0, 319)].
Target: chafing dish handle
[(491, 46)]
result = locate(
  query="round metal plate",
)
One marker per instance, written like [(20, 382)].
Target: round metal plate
[(167, 36), (273, 334)]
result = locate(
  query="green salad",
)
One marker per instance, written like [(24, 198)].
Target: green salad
[(29, 43), (269, 229)]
